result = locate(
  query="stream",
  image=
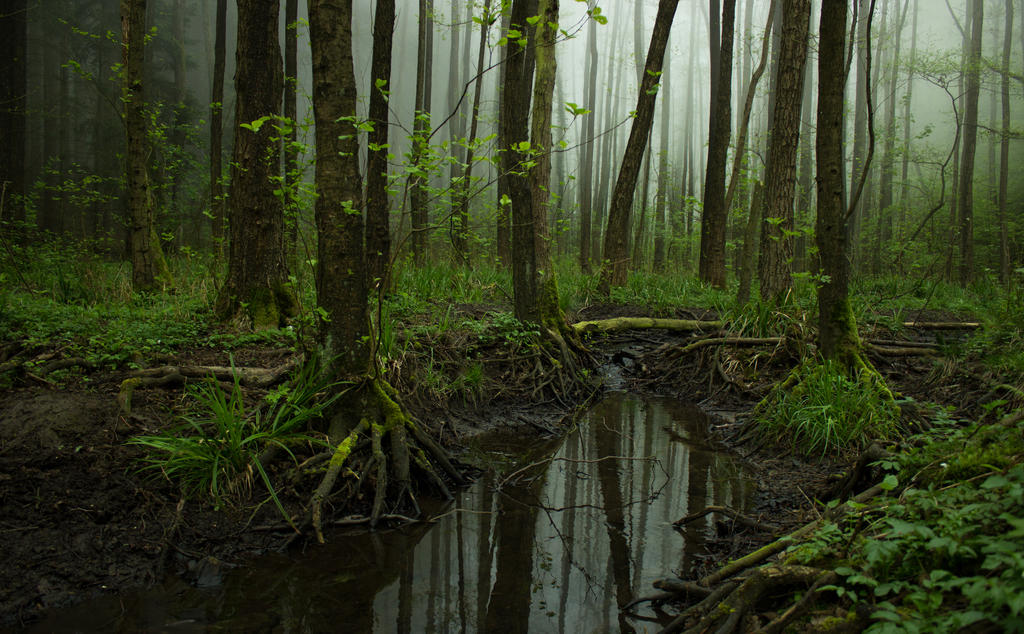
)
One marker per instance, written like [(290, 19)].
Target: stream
[(553, 538)]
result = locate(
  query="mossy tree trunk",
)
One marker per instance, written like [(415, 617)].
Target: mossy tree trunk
[(257, 291), (837, 328), (369, 409), (378, 205), (149, 268)]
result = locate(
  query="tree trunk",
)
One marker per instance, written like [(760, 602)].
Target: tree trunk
[(467, 174), (292, 174), (257, 289), (217, 205), (907, 102), (503, 229), (859, 124), (886, 212), (614, 268), (1004, 149), (775, 264), (378, 207), (586, 171), (664, 180), (970, 144), (837, 330), (148, 266), (715, 215), (13, 89), (418, 182)]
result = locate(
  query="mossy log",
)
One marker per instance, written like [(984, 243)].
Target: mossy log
[(641, 323)]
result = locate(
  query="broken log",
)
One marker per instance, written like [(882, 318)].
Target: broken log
[(641, 323)]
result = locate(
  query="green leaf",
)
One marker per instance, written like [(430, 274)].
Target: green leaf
[(889, 483)]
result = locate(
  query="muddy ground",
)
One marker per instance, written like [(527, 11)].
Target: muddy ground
[(77, 518)]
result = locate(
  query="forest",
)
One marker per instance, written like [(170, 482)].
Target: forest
[(511, 315)]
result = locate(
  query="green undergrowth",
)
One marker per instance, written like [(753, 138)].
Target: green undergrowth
[(213, 454), (945, 553), (826, 411)]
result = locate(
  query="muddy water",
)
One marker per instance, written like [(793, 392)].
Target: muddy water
[(552, 539)]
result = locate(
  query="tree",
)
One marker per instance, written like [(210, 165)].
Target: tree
[(257, 289), (148, 266), (292, 173), (616, 257), (421, 130), (378, 208), (970, 144), (775, 264), (369, 407), (13, 86), (715, 215), (217, 202), (587, 146), (1004, 148)]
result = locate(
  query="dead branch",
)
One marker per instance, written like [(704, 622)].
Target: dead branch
[(250, 377), (942, 325), (901, 352), (736, 516), (727, 341)]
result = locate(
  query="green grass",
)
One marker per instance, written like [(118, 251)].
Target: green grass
[(215, 452), (827, 411)]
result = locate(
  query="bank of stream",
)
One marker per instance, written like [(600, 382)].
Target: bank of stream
[(553, 537)]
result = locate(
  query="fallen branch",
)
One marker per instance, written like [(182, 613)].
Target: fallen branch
[(642, 323), (901, 352), (942, 325), (728, 341), (736, 516), (250, 377)]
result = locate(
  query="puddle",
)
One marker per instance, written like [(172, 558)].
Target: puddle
[(552, 540)]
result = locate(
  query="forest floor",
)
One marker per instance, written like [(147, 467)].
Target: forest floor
[(79, 519)]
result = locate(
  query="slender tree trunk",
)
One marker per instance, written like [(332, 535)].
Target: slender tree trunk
[(292, 174), (715, 215), (257, 288), (616, 258), (48, 217), (641, 221), (13, 90), (217, 206), (775, 264), (586, 176), (456, 138), (1004, 149), (907, 102), (837, 331), (886, 212), (805, 184), (973, 91), (859, 125), (421, 130), (148, 266), (378, 204), (607, 154), (664, 179), (473, 126), (503, 233)]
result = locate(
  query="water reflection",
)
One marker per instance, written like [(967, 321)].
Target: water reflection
[(555, 547)]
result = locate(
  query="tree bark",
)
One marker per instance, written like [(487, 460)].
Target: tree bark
[(378, 207), (217, 202), (970, 144), (340, 274), (616, 257), (292, 175), (13, 90), (1004, 149), (418, 182), (715, 215), (664, 180), (775, 264), (586, 178), (503, 228), (257, 290), (837, 330), (148, 266)]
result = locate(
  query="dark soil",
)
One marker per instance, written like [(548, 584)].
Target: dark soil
[(79, 519)]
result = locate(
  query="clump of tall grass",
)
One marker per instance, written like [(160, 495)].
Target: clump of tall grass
[(828, 411), (214, 454)]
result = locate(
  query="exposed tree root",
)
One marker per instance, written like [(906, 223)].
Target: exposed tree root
[(397, 443), (730, 596), (640, 323)]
